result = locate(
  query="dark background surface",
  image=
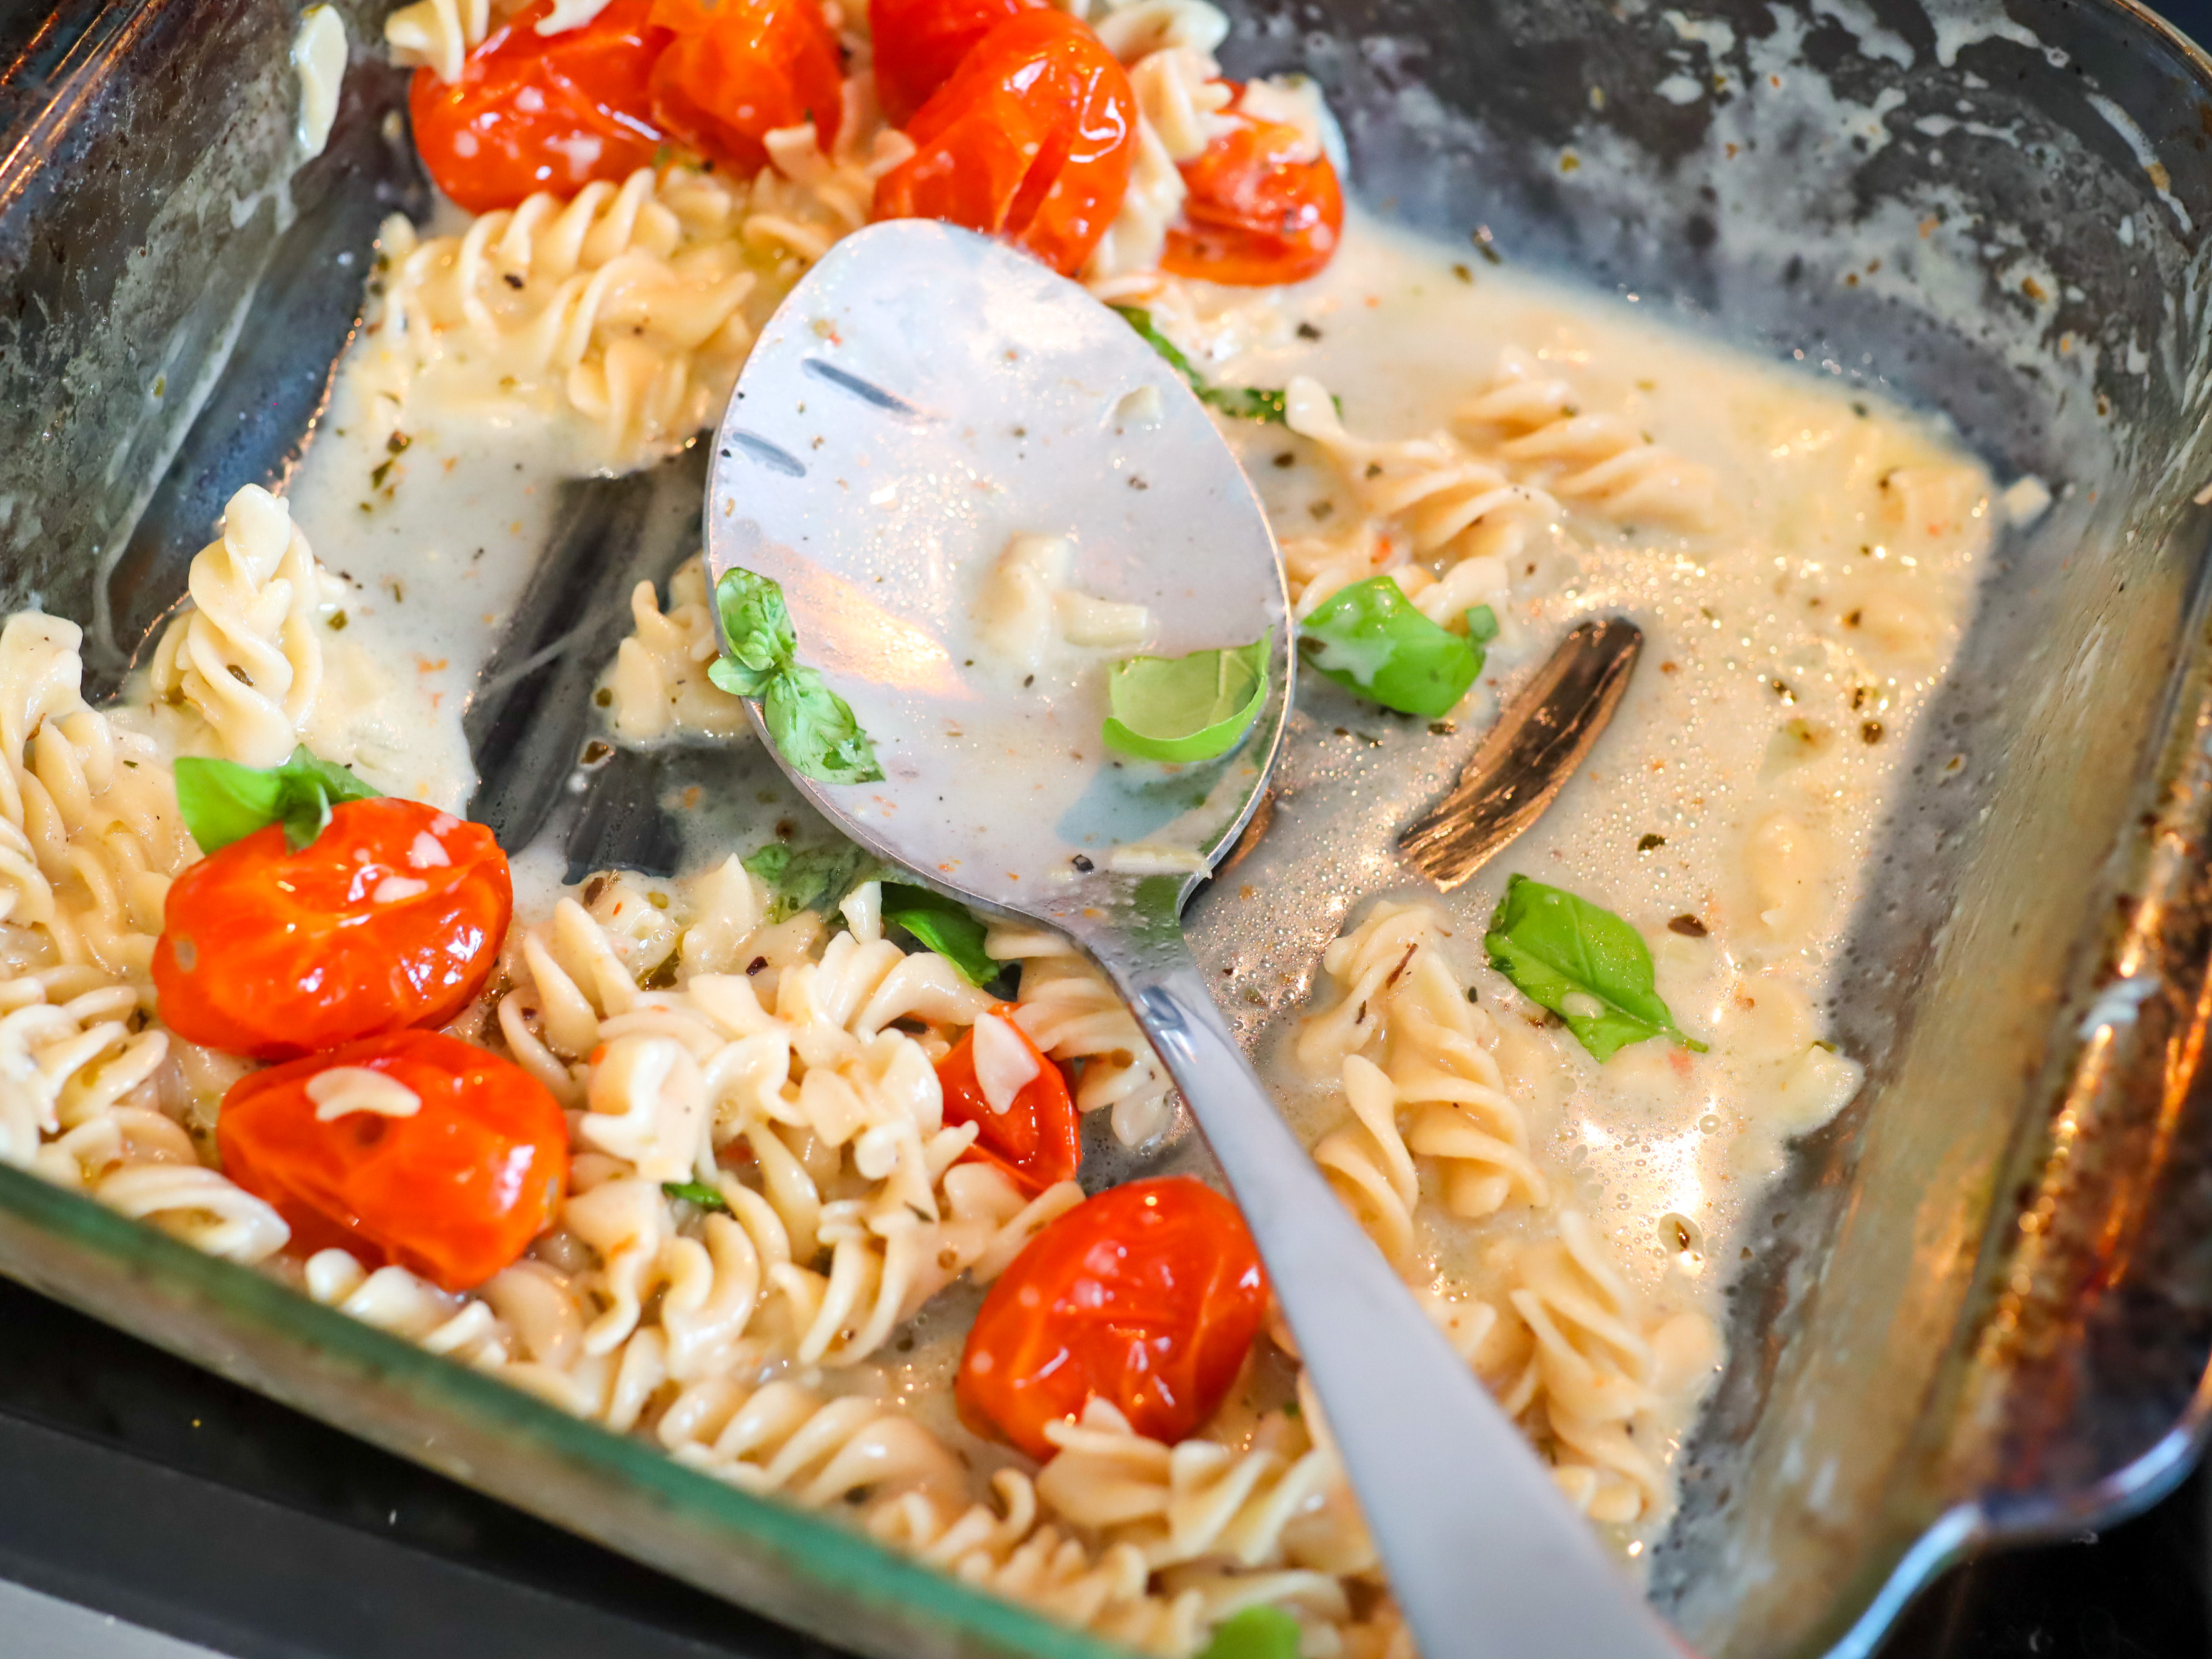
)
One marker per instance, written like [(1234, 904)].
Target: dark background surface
[(139, 1485)]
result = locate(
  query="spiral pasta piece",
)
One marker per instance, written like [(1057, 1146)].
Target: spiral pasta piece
[(1430, 500), (437, 34), (1068, 1009), (1556, 1331), (1602, 460), (1201, 1500), (658, 688), (1400, 1003), (1588, 1376), (246, 658)]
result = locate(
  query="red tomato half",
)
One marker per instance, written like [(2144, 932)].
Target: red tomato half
[(454, 1191), (391, 917), (735, 70), (920, 43), (1036, 1140), (1031, 140), (1256, 214), (1147, 1296), (538, 112)]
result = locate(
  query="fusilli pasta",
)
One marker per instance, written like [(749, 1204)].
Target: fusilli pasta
[(1071, 1013), (1560, 1337), (658, 688), (248, 657), (1602, 460)]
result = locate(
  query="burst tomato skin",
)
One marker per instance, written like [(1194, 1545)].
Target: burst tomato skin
[(1262, 209), (1030, 141), (920, 43), (272, 953), (1147, 1296), (1037, 1139), (538, 112), (735, 70), (454, 1193)]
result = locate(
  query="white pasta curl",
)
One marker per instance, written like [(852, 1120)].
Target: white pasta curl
[(82, 1087), (1595, 1368), (1406, 1040), (1201, 1500), (1603, 460), (246, 656), (439, 34), (1424, 502), (658, 687), (1070, 1012), (1004, 1544), (1555, 1330), (89, 831)]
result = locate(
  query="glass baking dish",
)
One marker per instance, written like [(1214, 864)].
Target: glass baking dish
[(1979, 1305)]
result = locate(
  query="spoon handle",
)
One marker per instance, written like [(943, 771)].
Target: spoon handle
[(1486, 1556)]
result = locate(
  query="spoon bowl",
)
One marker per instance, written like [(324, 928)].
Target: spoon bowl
[(858, 468)]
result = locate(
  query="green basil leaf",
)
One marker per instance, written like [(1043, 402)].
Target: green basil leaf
[(943, 925), (1186, 708), (1585, 965), (1255, 1633), (814, 727), (815, 878), (1247, 402), (223, 801), (817, 729), (696, 1192), (758, 632), (1482, 624), (1370, 638)]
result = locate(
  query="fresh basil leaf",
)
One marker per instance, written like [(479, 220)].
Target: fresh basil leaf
[(943, 925), (1585, 965), (1186, 708), (1248, 403), (1255, 1633), (759, 641), (223, 801), (817, 729), (815, 878), (696, 1192), (1370, 638), (1482, 624), (814, 727)]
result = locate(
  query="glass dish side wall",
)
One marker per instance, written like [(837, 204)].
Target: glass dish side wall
[(1863, 1340)]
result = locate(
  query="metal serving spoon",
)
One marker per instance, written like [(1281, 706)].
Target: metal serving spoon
[(922, 396)]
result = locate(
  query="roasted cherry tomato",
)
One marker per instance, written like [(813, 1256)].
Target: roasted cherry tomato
[(1031, 140), (449, 1162), (1147, 1296), (1264, 207), (919, 44), (538, 112), (391, 917), (735, 70), (1037, 1140)]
